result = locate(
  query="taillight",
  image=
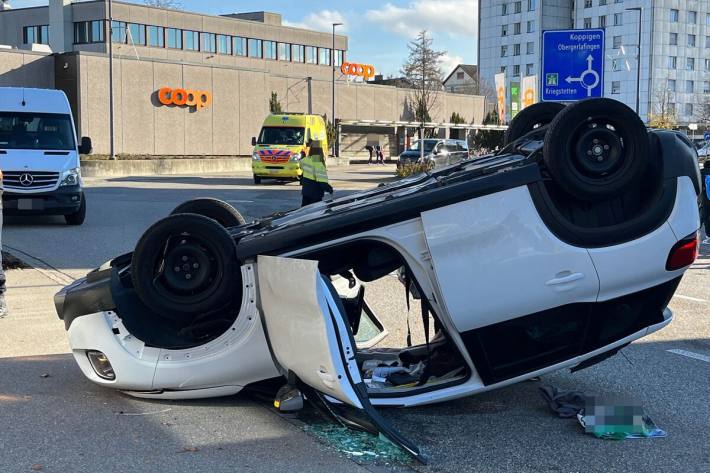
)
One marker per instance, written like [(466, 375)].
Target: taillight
[(683, 253)]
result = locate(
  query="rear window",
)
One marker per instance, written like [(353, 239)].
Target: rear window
[(281, 135), (49, 131)]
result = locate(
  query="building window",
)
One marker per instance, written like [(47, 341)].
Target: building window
[(516, 28), (671, 85), (136, 34), (459, 76), (298, 53), (324, 56), (532, 5), (529, 69), (35, 34), (688, 109), (516, 49), (674, 15), (516, 70), (587, 3), (616, 42), (671, 108), (618, 19), (255, 48), (311, 55), (518, 7), (707, 64), (156, 36), (530, 48), (706, 87), (531, 26), (672, 62), (270, 50), (504, 9), (503, 51), (692, 17), (224, 44), (602, 2), (89, 32), (118, 31), (617, 65), (504, 30), (239, 46), (673, 40), (691, 40), (690, 64), (707, 41), (587, 23), (602, 21), (192, 40), (174, 38), (616, 87), (284, 51), (209, 42), (689, 86)]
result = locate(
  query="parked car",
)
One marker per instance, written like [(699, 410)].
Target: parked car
[(526, 261), (704, 151), (437, 152), (39, 155)]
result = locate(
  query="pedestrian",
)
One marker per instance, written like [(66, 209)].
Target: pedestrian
[(369, 149), (3, 304), (380, 157), (314, 181), (705, 199)]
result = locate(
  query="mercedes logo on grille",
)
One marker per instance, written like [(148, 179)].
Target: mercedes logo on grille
[(26, 179)]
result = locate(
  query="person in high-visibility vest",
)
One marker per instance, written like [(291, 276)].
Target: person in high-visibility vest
[(314, 181)]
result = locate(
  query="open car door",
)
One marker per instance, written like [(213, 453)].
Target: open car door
[(309, 337)]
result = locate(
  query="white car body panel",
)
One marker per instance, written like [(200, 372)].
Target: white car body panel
[(484, 248), (684, 219)]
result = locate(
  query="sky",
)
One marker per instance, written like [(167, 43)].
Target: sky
[(378, 30)]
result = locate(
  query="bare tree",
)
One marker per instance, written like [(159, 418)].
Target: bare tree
[(703, 112), (664, 110), (169, 4), (423, 71)]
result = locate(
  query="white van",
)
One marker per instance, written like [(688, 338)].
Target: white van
[(39, 155)]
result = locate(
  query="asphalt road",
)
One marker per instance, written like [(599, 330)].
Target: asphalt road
[(66, 424)]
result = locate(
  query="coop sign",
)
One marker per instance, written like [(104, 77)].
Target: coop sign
[(365, 71), (198, 99)]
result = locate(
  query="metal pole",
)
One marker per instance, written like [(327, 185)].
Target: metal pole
[(112, 141), (332, 65), (638, 60)]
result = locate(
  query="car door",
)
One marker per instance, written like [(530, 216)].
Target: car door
[(309, 339)]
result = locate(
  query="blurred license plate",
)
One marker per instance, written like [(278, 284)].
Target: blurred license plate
[(30, 204)]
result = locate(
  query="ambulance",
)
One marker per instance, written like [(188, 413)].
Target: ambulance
[(283, 142)]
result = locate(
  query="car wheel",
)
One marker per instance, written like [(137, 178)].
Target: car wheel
[(216, 209), (185, 265), (257, 179), (78, 217), (530, 118), (596, 148)]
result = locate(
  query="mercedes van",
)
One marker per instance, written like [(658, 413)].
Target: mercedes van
[(39, 155), (282, 142)]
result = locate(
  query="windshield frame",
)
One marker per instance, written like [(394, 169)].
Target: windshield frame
[(427, 149), (262, 142), (68, 134)]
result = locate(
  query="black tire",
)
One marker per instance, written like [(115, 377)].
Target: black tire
[(529, 118), (216, 209), (596, 149), (257, 179), (182, 245), (78, 217)]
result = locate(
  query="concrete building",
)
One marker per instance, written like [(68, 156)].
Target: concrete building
[(239, 59), (463, 80), (674, 58)]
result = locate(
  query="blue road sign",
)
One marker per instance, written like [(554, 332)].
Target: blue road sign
[(572, 65), (706, 136)]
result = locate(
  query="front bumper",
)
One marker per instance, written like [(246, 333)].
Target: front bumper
[(63, 201), (289, 170)]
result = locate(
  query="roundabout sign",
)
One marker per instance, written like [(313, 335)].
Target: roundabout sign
[(572, 64)]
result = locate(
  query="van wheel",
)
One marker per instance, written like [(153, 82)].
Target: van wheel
[(185, 265), (257, 179), (78, 217), (216, 209), (596, 148), (530, 118)]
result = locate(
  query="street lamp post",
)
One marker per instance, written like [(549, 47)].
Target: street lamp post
[(638, 59), (332, 65), (112, 140)]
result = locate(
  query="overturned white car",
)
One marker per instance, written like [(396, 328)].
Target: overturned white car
[(553, 253)]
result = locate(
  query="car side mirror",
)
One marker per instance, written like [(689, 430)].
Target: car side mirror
[(85, 147), (253, 140)]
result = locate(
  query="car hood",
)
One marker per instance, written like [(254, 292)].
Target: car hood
[(413, 155), (38, 160)]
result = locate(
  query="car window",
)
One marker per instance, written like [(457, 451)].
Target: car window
[(20, 130)]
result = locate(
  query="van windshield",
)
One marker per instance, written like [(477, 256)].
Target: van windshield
[(281, 135), (20, 130), (428, 145)]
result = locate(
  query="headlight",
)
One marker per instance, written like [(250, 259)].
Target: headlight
[(71, 177), (101, 365), (296, 157), (255, 157)]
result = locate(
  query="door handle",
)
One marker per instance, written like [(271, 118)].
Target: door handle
[(564, 278)]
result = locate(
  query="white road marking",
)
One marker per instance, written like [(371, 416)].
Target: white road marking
[(690, 354), (694, 299)]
